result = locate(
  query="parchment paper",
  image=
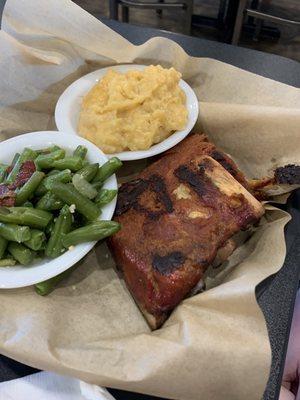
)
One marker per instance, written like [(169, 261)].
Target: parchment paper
[(215, 345)]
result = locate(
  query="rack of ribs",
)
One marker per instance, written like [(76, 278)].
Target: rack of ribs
[(177, 218)]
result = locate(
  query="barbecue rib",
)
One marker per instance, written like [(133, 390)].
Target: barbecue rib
[(284, 180), (176, 217)]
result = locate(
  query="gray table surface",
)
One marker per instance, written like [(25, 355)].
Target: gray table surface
[(269, 65), (277, 294)]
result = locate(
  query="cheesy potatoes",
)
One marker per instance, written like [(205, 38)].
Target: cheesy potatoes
[(133, 110)]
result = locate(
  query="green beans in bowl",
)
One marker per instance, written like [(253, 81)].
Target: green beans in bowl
[(57, 198)]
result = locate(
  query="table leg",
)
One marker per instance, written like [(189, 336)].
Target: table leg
[(259, 22), (229, 18), (257, 30), (113, 9), (188, 17), (160, 11), (239, 22), (125, 14)]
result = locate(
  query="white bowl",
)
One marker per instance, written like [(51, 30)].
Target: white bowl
[(19, 276), (68, 109)]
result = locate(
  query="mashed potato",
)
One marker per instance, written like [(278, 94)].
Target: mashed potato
[(132, 111)]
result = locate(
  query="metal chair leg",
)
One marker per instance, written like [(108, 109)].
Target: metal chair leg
[(160, 11), (113, 9), (125, 13), (257, 30), (239, 22), (258, 22), (188, 17)]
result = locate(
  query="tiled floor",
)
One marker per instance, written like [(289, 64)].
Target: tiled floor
[(288, 45)]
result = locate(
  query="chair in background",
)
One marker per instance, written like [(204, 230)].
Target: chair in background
[(260, 16), (159, 5)]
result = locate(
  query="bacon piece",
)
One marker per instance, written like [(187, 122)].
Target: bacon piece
[(25, 172), (7, 196), (7, 192), (9, 169)]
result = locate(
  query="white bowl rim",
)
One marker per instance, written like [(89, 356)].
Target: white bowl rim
[(63, 108), (21, 276)]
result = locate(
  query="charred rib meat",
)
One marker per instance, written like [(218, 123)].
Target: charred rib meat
[(175, 217)]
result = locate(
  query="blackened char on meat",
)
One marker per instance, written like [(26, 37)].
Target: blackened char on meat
[(130, 197), (168, 263), (289, 174), (197, 180), (225, 162)]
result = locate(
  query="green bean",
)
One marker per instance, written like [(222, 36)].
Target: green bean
[(15, 233), (46, 161), (21, 253), (48, 150), (28, 154), (54, 148), (12, 165), (107, 169), (70, 195), (28, 189), (25, 216), (15, 159), (79, 220), (88, 172), (80, 151), (62, 226), (72, 163), (37, 240), (49, 228), (105, 196), (7, 262), (84, 187), (53, 172), (3, 245), (61, 176), (49, 202), (46, 287), (3, 172), (94, 231), (27, 204), (97, 185)]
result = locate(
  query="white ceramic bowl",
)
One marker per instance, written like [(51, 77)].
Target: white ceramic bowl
[(19, 276), (68, 109)]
